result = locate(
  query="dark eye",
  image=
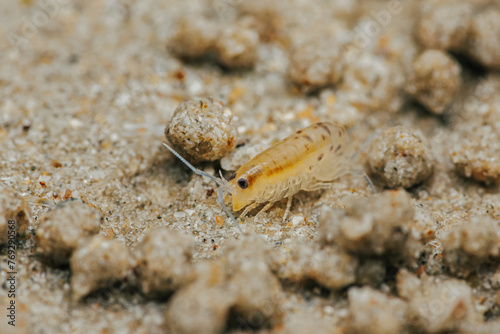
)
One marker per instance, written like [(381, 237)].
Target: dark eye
[(243, 183)]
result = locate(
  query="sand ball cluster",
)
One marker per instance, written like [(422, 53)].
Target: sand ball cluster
[(371, 311), (202, 129), (206, 302), (316, 63), (476, 155), (64, 229), (473, 242), (435, 80), (250, 266), (164, 259), (445, 25), (241, 283), (400, 157), (463, 27), (331, 267), (355, 243), (363, 231), (98, 264), (483, 37), (232, 44), (193, 38), (15, 214), (237, 45), (436, 305)]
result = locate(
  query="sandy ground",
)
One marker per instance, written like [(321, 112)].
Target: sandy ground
[(87, 89)]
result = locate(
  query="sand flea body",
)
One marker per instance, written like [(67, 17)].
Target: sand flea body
[(308, 160)]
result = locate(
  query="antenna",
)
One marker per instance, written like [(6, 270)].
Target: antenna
[(221, 182), (194, 169)]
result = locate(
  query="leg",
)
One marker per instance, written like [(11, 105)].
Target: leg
[(319, 185), (288, 206), (248, 208), (220, 200), (265, 208)]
